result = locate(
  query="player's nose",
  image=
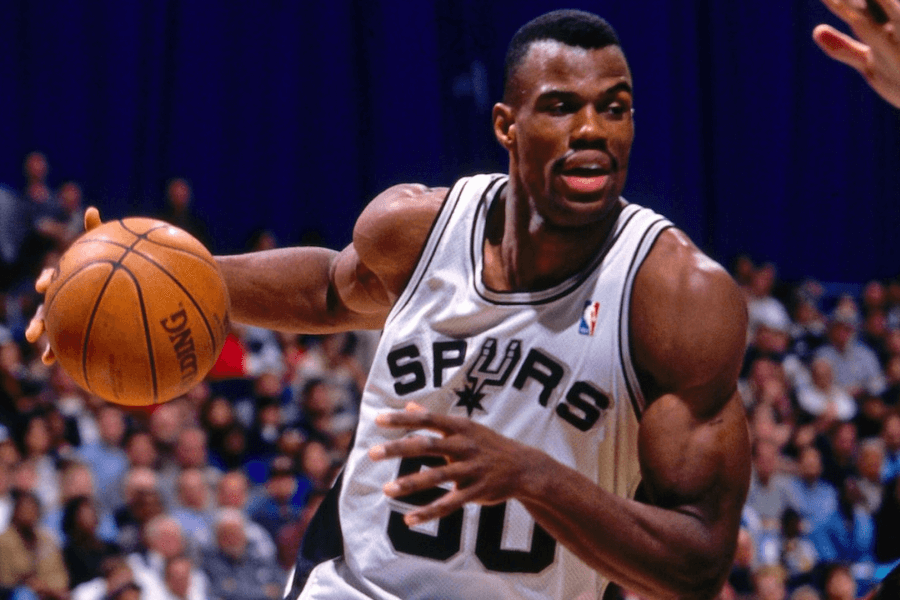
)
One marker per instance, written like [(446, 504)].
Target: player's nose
[(588, 125)]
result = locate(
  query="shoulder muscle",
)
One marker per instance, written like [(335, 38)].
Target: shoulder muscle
[(688, 323), (391, 232)]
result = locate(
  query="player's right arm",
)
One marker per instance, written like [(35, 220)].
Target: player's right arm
[(316, 290)]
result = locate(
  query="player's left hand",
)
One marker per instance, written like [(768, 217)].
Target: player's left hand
[(486, 467), (36, 326), (876, 52)]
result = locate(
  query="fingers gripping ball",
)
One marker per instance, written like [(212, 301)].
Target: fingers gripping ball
[(137, 311)]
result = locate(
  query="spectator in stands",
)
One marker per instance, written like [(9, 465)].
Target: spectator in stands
[(30, 559), (825, 402), (140, 450), (84, 550), (805, 592), (76, 481), (179, 578), (887, 523), (869, 461), (808, 329), (283, 499), (769, 493), (115, 574), (770, 583), (142, 503), (166, 423), (856, 367), (118, 581), (190, 452), (179, 212), (165, 540), (36, 451), (812, 497), (839, 583), (838, 447), (890, 435), (192, 508), (847, 535), (792, 549), (233, 573), (233, 492), (891, 396), (332, 358), (41, 217), (760, 299), (70, 200), (106, 459)]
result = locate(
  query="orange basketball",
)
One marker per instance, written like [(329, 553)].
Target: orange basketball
[(137, 311)]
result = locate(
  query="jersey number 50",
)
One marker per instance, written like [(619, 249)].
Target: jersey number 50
[(448, 541)]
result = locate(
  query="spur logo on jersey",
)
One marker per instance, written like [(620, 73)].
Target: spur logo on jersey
[(582, 404), (481, 373), (589, 318)]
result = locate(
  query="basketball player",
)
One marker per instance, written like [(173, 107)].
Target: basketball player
[(553, 404), (876, 55)]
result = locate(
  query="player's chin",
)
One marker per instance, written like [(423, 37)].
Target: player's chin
[(581, 210)]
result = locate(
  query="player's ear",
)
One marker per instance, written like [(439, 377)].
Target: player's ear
[(504, 125)]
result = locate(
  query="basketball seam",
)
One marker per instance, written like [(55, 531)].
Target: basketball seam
[(211, 263), (190, 296), (87, 336), (144, 236), (72, 275), (149, 339)]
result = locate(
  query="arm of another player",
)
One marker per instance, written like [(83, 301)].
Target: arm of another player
[(688, 335), (876, 54), (317, 290)]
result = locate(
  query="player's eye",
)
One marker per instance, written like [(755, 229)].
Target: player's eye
[(617, 111)]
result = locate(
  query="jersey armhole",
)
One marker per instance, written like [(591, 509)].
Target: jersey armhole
[(635, 392)]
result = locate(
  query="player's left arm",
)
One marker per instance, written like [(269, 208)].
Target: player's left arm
[(688, 336)]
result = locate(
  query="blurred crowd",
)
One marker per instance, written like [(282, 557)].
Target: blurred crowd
[(203, 498), (208, 496)]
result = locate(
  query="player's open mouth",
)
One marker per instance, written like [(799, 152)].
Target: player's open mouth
[(585, 180)]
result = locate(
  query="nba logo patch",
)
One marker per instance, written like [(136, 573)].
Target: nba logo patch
[(589, 318)]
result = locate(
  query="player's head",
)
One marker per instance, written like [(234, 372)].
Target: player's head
[(566, 117), (575, 28)]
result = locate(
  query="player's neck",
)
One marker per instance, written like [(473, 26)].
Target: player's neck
[(522, 252)]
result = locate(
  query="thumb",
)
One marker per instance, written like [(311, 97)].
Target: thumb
[(91, 218)]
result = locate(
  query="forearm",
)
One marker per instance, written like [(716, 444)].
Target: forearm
[(287, 290), (650, 550)]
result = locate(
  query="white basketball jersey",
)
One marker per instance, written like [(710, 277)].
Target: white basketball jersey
[(551, 369)]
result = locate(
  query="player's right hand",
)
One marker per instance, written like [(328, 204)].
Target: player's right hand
[(36, 326)]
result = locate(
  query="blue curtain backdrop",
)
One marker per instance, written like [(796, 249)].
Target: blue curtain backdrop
[(291, 115)]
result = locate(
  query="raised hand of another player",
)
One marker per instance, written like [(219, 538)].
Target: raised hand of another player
[(36, 326), (486, 467), (876, 54)]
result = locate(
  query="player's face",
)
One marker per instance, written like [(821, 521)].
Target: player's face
[(570, 131)]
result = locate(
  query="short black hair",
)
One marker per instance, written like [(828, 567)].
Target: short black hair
[(571, 27)]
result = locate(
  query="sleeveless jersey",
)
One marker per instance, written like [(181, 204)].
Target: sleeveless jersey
[(551, 369)]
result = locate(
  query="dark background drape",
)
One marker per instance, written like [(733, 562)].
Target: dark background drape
[(291, 115)]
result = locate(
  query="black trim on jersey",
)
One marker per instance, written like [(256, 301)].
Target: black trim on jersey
[(626, 292), (582, 277), (437, 217), (322, 541), (481, 207)]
